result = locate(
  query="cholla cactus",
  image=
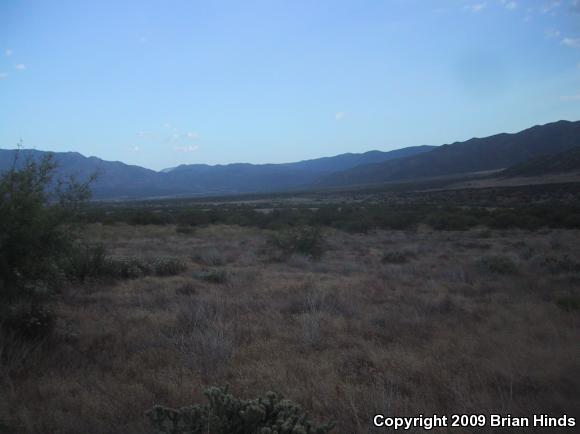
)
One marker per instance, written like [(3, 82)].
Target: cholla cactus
[(226, 414), (305, 240), (166, 266), (126, 267)]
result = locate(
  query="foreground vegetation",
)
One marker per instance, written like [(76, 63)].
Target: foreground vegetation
[(401, 322), (117, 318)]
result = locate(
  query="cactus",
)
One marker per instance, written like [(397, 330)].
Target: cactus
[(226, 414), (304, 240)]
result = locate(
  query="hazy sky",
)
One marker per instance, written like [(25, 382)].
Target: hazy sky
[(160, 83)]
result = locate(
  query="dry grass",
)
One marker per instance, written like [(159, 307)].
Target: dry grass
[(346, 336)]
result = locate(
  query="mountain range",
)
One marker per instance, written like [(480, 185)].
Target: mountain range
[(533, 146), (116, 180), (495, 152)]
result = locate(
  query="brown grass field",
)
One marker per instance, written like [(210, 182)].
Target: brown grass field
[(399, 323)]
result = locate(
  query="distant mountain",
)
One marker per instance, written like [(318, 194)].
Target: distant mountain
[(119, 180), (347, 161), (475, 155), (240, 177), (169, 169), (115, 179), (540, 149), (563, 162)]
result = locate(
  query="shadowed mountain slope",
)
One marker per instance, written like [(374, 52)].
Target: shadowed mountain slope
[(563, 162), (474, 155)]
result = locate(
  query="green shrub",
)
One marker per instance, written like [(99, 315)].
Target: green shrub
[(504, 219), (304, 240), (213, 275), (85, 260), (557, 265), (396, 257), (226, 414), (211, 257), (126, 267), (397, 219), (147, 217), (185, 229), (569, 303), (195, 217), (447, 221), (132, 267), (484, 233), (187, 289), (498, 264), (360, 225)]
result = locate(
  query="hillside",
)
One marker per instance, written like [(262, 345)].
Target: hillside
[(563, 162), (474, 155)]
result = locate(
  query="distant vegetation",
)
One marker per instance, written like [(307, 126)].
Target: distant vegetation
[(350, 218)]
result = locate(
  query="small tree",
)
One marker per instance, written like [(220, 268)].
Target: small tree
[(36, 216)]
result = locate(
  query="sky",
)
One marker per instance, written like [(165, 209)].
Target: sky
[(163, 83)]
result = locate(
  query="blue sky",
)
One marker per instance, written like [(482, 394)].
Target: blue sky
[(161, 83)]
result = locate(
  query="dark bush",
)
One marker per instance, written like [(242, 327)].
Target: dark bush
[(569, 303), (29, 320), (448, 221), (396, 257), (86, 260), (498, 264), (504, 220), (126, 267), (557, 265), (37, 229), (91, 261), (185, 229), (358, 226), (194, 218), (148, 217), (209, 256), (187, 289), (213, 275), (36, 215), (131, 267), (397, 219)]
